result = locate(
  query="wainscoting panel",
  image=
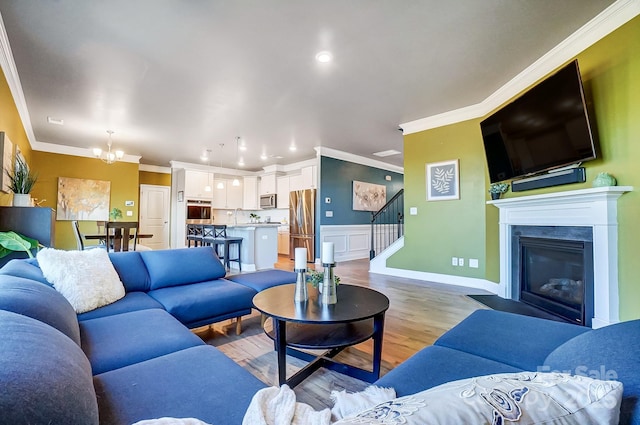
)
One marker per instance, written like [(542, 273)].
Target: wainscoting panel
[(352, 242)]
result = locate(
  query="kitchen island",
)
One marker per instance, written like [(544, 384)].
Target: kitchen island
[(259, 244)]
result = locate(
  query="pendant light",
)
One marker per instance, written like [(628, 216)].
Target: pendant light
[(220, 184), (236, 181), (206, 156)]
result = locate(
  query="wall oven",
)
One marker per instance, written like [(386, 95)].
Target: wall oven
[(198, 211)]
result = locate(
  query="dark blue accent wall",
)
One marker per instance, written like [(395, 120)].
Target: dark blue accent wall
[(336, 182)]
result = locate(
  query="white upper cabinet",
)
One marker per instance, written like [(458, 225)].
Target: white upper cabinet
[(268, 184), (250, 195), (196, 183), (309, 177), (283, 192), (229, 196)]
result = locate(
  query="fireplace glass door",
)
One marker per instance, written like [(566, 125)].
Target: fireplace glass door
[(557, 276)]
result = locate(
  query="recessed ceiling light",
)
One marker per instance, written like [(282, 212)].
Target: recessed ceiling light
[(241, 162), (387, 153), (55, 121), (293, 148), (263, 157), (324, 57)]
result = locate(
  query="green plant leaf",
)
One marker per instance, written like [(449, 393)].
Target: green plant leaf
[(11, 241)]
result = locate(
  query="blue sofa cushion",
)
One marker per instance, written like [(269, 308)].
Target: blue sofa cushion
[(173, 267), (41, 302), (264, 279), (132, 301), (205, 300), (436, 365), (116, 341), (520, 341), (606, 353), (198, 382), (44, 376), (132, 270), (27, 269)]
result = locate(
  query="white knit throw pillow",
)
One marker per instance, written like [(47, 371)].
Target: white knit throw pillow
[(87, 279)]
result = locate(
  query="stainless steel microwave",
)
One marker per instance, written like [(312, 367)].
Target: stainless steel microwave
[(267, 201)]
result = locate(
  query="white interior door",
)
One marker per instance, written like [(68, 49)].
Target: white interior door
[(154, 215)]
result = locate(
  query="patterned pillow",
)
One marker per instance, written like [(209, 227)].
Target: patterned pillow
[(526, 397)]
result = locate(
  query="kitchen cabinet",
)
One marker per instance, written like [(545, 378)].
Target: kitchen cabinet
[(282, 192), (283, 243), (309, 176), (229, 197), (268, 184), (250, 193), (195, 184)]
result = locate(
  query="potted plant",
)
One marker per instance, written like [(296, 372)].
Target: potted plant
[(115, 214), (497, 189), (254, 217), (315, 278), (21, 181)]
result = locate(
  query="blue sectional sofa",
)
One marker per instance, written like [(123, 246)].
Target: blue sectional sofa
[(131, 360), (491, 342)]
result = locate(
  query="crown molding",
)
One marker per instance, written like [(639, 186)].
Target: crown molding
[(336, 154), (610, 19), (72, 150), (13, 80), (154, 169)]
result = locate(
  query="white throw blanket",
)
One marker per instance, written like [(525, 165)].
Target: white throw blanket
[(278, 406)]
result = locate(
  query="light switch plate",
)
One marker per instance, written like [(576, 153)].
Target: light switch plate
[(413, 211), (129, 213), (328, 214)]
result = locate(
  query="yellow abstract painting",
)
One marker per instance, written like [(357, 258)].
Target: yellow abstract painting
[(81, 199)]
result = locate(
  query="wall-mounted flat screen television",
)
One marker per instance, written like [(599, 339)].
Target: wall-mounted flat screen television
[(545, 128)]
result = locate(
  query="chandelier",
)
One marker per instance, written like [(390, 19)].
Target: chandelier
[(109, 156)]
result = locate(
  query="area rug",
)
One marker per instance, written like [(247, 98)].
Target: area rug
[(510, 306)]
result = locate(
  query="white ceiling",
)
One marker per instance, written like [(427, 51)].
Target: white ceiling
[(172, 78)]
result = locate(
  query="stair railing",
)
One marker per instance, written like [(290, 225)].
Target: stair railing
[(387, 224)]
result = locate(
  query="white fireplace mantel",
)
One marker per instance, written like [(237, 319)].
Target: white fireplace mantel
[(596, 208)]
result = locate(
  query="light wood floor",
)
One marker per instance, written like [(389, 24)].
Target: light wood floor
[(419, 313)]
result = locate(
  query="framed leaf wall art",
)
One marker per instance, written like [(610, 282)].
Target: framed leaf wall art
[(443, 181)]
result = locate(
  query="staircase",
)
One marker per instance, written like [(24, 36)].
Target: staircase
[(387, 224)]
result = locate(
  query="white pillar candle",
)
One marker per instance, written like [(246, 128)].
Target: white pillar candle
[(301, 258), (327, 253)]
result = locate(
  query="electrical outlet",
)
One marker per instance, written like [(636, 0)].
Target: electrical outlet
[(473, 263), (129, 213), (454, 261), (413, 211), (328, 213), (461, 262)]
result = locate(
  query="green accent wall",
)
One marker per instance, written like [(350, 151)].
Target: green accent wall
[(469, 228), (11, 125), (158, 179), (122, 175)]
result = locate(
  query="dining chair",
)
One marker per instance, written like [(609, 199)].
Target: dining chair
[(118, 234), (80, 239)]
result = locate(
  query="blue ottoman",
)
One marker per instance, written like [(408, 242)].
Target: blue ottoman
[(264, 279)]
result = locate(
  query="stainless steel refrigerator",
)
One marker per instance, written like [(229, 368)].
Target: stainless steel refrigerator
[(302, 222)]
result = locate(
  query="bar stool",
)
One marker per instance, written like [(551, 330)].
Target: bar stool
[(220, 237), (194, 233)]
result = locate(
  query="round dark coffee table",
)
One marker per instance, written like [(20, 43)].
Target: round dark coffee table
[(357, 316)]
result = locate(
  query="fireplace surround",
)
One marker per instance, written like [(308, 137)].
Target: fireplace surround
[(594, 208)]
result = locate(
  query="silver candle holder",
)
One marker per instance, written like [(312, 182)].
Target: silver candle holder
[(329, 291), (300, 295)]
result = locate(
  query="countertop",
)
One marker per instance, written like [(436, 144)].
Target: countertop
[(254, 225)]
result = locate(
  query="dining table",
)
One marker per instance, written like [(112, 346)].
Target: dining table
[(102, 238)]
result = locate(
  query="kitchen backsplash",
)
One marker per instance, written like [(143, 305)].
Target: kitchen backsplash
[(278, 215)]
